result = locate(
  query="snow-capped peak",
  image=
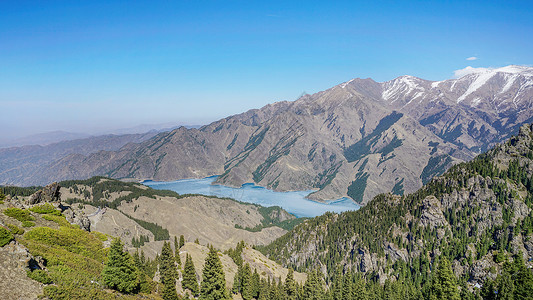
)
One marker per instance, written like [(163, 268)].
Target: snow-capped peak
[(480, 76), (511, 69), (405, 85)]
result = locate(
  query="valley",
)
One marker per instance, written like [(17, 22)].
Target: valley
[(294, 202), (473, 225), (356, 139)]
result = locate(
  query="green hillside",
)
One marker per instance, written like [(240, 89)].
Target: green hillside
[(478, 216)]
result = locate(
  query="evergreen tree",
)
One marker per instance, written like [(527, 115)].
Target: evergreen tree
[(182, 240), (336, 289), (167, 269), (213, 285), (313, 289), (358, 288), (137, 260), (120, 272), (189, 277), (291, 289), (444, 285), (347, 286), (237, 288), (263, 290), (246, 283), (255, 284), (177, 250)]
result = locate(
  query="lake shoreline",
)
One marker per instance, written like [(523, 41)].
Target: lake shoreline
[(294, 202)]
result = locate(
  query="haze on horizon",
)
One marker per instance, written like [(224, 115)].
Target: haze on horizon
[(98, 66)]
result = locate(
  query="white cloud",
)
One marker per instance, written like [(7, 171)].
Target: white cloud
[(472, 58), (469, 70)]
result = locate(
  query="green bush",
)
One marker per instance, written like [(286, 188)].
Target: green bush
[(499, 257), (28, 224), (19, 214), (69, 238), (39, 275), (15, 229), (100, 236), (46, 208), (58, 219), (74, 259), (5, 236)]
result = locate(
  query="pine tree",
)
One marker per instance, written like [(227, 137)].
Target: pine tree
[(246, 283), (167, 269), (189, 277), (237, 288), (336, 289), (263, 290), (444, 285), (120, 272), (213, 285), (291, 289), (177, 250), (137, 260), (347, 286), (182, 240), (255, 284), (313, 286), (358, 288)]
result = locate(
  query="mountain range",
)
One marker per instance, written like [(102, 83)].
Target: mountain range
[(478, 215), (357, 139)]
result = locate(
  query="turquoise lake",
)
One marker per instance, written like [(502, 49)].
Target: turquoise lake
[(293, 202)]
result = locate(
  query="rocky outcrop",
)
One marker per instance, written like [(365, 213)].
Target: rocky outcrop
[(432, 213), (49, 193), (77, 217), (15, 260)]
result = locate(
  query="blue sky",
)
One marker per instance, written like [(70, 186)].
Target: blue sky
[(97, 65)]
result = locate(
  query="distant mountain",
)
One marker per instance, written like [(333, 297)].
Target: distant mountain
[(43, 139), (356, 139), (478, 215), (25, 165)]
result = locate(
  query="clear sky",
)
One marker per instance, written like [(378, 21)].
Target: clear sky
[(96, 65)]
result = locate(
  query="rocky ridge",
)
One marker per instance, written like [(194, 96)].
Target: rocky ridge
[(478, 214), (356, 139)]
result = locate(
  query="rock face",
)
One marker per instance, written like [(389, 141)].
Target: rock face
[(14, 283), (77, 217), (49, 193), (357, 139)]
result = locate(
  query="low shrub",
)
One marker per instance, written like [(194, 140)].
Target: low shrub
[(19, 214), (39, 275), (28, 224), (5, 236), (15, 229), (60, 219), (100, 236), (46, 208)]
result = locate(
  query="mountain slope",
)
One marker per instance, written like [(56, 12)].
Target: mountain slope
[(477, 215), (357, 139), (220, 222), (25, 165)]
